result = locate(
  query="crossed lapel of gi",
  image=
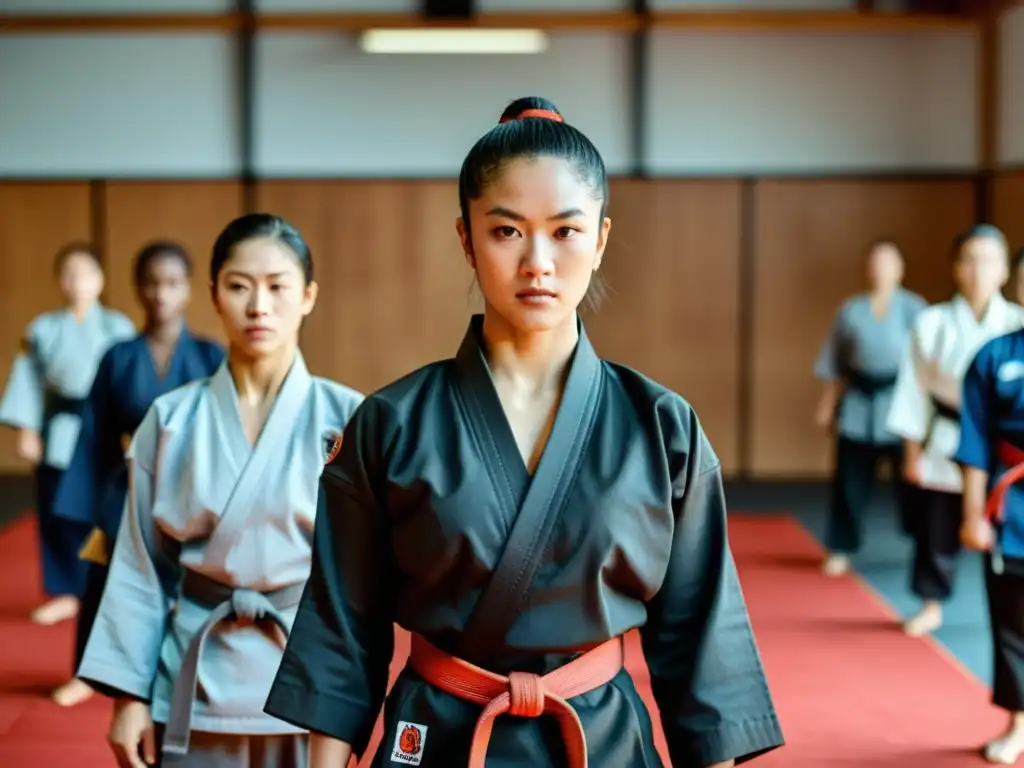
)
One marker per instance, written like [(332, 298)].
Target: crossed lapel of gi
[(271, 444), (534, 514)]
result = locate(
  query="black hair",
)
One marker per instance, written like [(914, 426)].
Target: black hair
[(533, 127), (75, 248), (254, 225), (159, 249), (987, 231)]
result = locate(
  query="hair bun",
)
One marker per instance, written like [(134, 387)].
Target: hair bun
[(543, 114)]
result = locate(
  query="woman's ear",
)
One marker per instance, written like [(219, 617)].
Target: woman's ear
[(467, 241)]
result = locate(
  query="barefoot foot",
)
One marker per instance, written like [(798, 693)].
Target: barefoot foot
[(1007, 748), (55, 611), (925, 621), (836, 565)]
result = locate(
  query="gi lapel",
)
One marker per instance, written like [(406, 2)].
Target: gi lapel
[(501, 600), (270, 445)]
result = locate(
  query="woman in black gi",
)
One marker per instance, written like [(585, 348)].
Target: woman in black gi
[(519, 508)]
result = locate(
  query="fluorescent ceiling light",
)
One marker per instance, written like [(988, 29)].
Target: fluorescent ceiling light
[(445, 41)]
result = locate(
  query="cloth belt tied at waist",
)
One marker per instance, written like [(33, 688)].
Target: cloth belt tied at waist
[(225, 603), (866, 383), (1012, 457), (520, 694), (945, 410), (55, 403)]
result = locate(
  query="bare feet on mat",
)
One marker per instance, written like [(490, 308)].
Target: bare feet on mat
[(925, 621), (72, 693), (836, 565), (55, 611), (1007, 748)]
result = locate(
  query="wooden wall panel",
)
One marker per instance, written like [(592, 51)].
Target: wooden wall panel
[(395, 290), (36, 219), (191, 212), (1008, 206), (672, 270), (810, 239)]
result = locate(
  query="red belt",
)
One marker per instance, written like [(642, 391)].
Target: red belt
[(1009, 456), (520, 694)]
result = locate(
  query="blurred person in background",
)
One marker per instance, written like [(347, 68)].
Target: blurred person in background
[(131, 375), (991, 456), (44, 400), (926, 409), (858, 364)]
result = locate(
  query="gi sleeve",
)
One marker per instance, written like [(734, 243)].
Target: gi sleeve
[(911, 411), (706, 671), (334, 674), (975, 449), (76, 493), (826, 367), (22, 403), (124, 646)]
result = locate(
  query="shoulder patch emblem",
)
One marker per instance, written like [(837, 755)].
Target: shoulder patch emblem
[(335, 449)]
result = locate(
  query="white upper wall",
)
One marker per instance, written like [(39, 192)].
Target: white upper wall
[(118, 105), (718, 103)]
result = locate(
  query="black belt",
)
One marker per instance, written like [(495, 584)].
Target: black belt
[(55, 403), (867, 384), (944, 410)]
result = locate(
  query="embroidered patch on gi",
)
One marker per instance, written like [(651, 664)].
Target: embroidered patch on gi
[(409, 741), (333, 444)]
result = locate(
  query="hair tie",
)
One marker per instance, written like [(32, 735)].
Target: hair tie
[(545, 114)]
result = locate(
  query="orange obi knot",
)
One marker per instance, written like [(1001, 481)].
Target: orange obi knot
[(526, 694), (520, 694)]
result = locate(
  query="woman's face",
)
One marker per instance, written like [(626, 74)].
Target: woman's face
[(164, 289), (81, 279), (885, 267), (262, 297), (981, 268), (535, 238)]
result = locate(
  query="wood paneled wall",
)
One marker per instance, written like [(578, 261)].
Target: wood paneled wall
[(721, 289)]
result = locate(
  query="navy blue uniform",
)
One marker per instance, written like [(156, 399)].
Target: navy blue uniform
[(992, 440), (92, 491)]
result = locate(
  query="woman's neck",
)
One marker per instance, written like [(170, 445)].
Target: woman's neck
[(164, 333), (882, 293), (979, 304), (534, 361), (259, 378), (79, 309)]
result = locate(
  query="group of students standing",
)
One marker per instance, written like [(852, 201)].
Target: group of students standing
[(253, 532), (938, 393)]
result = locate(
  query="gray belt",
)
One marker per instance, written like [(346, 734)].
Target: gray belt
[(224, 603)]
